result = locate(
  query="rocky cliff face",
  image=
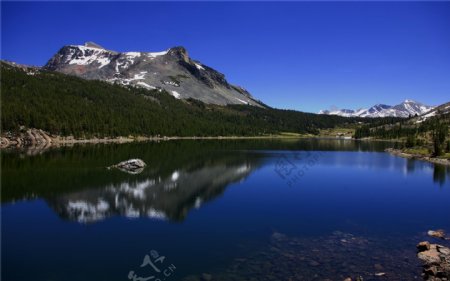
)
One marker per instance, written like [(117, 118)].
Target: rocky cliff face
[(172, 70)]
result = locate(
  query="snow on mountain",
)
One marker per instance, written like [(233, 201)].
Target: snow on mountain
[(404, 110), (28, 69), (172, 70), (438, 110)]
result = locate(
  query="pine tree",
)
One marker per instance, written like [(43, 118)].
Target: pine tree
[(439, 134)]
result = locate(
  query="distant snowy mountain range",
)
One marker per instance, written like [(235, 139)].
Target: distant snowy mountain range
[(405, 109)]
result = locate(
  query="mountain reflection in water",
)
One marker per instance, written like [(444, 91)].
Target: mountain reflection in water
[(169, 197), (220, 208), (180, 176)]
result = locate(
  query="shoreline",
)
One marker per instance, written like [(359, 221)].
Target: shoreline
[(39, 139), (434, 160)]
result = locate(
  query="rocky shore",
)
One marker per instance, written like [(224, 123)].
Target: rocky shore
[(435, 258), (399, 152), (40, 139), (37, 139)]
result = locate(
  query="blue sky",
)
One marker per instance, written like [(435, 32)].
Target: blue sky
[(299, 55)]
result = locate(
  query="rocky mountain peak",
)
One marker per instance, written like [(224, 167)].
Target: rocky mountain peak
[(91, 44), (172, 70), (180, 53)]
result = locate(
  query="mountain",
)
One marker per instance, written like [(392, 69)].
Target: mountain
[(172, 70), (417, 131), (67, 105), (443, 109), (405, 109)]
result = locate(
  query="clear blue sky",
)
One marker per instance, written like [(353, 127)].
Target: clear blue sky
[(299, 55)]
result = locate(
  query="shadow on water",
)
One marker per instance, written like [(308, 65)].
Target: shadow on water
[(180, 175), (62, 170), (441, 173), (76, 184)]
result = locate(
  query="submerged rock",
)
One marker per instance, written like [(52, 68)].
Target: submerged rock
[(436, 261), (437, 233), (132, 166), (306, 258), (206, 277)]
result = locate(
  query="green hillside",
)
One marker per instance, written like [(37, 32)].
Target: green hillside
[(67, 105)]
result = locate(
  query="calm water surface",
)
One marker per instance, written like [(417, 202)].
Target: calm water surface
[(219, 210)]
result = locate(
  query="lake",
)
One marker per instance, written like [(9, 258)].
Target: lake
[(309, 209)]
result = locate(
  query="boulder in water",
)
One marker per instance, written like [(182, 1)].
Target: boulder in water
[(437, 233), (132, 166)]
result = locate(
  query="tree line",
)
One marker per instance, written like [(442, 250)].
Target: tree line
[(433, 131), (67, 105)]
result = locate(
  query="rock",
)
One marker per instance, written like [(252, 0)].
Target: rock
[(34, 138), (443, 250), (430, 256), (423, 246), (431, 271), (437, 233), (132, 166), (4, 142), (436, 259), (206, 277), (278, 236), (378, 267)]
